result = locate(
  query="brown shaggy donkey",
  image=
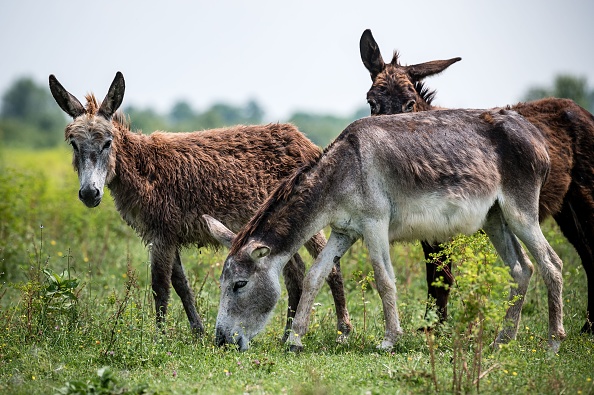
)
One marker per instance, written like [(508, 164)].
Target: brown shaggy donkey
[(162, 184), (568, 194)]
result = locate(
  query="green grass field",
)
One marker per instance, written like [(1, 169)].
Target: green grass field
[(76, 314)]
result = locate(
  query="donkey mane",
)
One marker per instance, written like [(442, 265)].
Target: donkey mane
[(426, 94), (279, 196), (93, 107)]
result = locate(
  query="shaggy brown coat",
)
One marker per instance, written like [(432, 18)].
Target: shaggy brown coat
[(164, 182)]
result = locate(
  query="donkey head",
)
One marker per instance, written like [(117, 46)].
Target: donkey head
[(250, 289), (395, 88), (91, 134)]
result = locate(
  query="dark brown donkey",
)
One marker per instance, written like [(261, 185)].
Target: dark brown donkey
[(568, 194), (163, 183)]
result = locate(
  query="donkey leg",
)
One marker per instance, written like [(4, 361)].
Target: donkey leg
[(336, 247), (336, 283), (436, 269), (378, 246), (162, 257), (579, 230), (182, 288), (550, 267), (293, 273), (521, 269)]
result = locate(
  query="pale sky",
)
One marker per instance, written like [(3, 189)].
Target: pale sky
[(298, 55)]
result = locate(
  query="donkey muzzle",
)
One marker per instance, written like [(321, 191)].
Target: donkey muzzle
[(90, 196)]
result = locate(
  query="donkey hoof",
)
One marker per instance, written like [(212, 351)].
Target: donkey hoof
[(588, 328), (554, 346), (386, 345), (342, 338), (197, 330), (295, 348)]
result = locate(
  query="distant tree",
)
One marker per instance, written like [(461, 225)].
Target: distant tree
[(181, 112), (321, 129), (568, 87), (146, 120), (29, 116)]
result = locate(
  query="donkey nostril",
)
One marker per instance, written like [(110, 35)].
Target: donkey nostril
[(97, 192)]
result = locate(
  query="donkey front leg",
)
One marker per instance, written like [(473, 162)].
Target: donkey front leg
[(162, 257), (336, 283), (293, 272), (182, 288), (336, 247)]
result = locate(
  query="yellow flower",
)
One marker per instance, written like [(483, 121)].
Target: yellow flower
[(86, 259), (53, 242), (514, 373), (339, 332), (60, 253)]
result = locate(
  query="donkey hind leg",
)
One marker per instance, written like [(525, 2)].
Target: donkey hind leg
[(337, 245), (579, 229), (521, 269), (293, 273), (550, 267), (336, 283), (378, 245), (182, 288), (436, 269)]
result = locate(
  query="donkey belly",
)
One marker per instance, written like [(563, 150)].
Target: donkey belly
[(436, 218)]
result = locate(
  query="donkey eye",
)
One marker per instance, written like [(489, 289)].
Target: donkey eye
[(74, 146), (239, 284), (106, 145)]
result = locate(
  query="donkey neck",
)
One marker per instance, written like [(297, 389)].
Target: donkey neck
[(292, 214)]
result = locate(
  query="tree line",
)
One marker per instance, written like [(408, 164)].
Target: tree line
[(30, 118)]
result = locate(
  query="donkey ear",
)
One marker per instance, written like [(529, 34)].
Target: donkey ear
[(258, 251), (219, 231), (370, 54), (114, 97), (65, 100), (422, 70)]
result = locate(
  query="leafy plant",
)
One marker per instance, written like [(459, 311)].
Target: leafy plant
[(104, 383), (479, 298)]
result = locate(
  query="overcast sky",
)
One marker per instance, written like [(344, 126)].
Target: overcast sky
[(298, 55)]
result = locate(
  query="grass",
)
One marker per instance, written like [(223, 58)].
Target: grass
[(76, 315)]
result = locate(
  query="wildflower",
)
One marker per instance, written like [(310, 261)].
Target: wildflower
[(514, 373), (32, 377), (174, 374), (60, 253), (53, 242), (86, 259), (589, 379), (97, 342), (533, 350), (339, 332)]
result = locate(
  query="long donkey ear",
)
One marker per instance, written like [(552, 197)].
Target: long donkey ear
[(65, 100), (219, 231), (422, 70), (370, 54), (114, 97)]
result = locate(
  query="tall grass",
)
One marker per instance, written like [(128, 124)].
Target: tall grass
[(77, 314)]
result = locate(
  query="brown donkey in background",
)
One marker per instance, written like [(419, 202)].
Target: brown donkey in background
[(568, 194), (162, 184)]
